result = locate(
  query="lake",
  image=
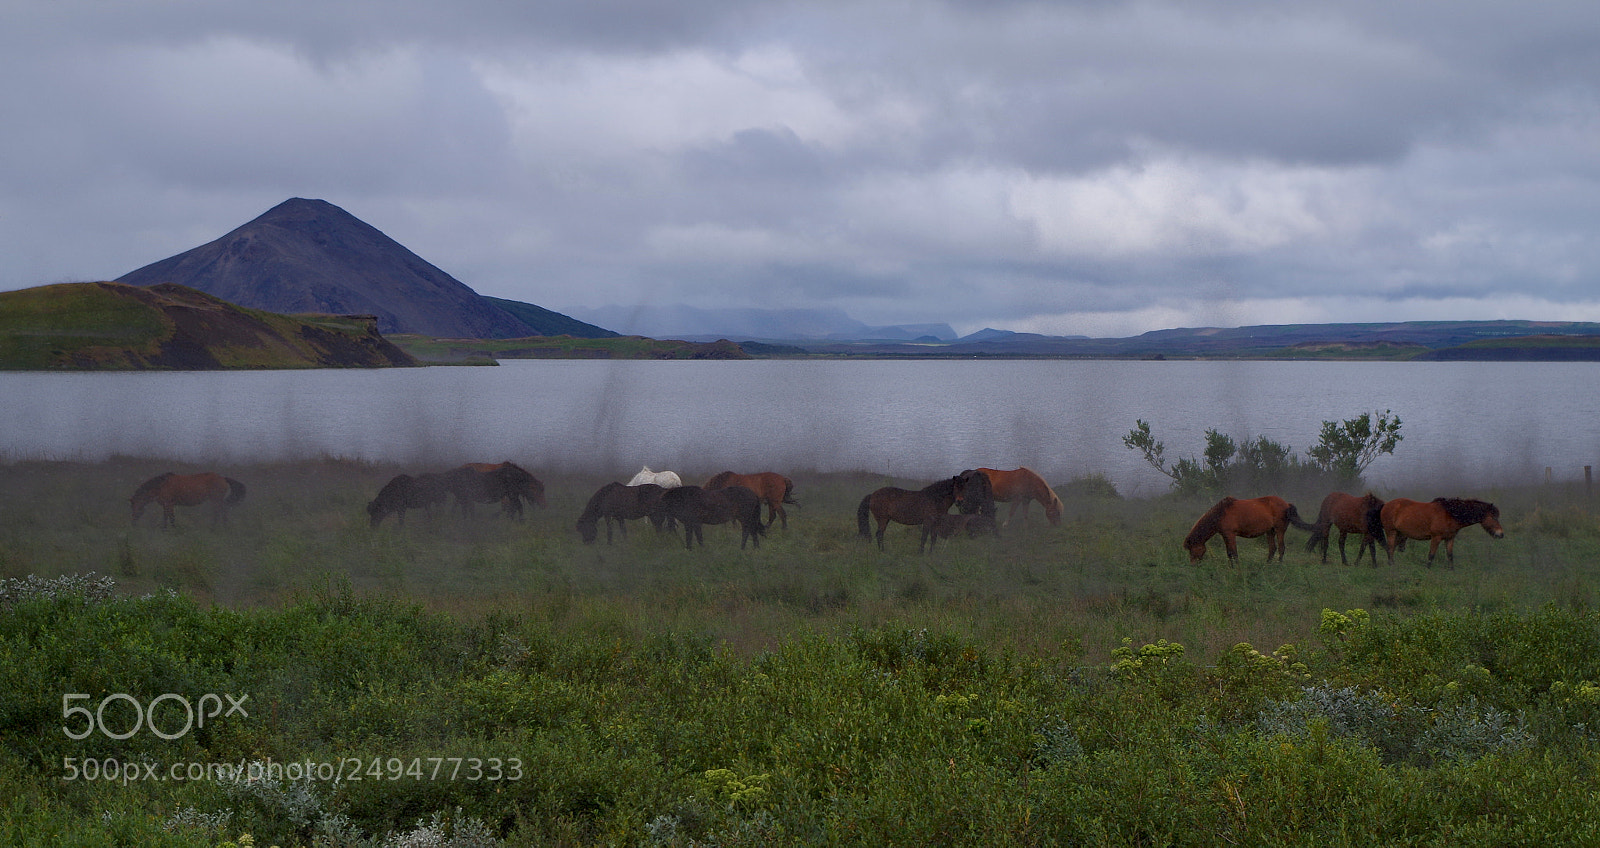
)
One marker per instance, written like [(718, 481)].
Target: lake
[(1464, 423)]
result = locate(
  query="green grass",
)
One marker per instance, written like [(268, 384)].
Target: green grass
[(44, 327), (434, 350), (1080, 684)]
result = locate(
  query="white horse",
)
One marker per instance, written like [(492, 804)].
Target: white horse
[(664, 479)]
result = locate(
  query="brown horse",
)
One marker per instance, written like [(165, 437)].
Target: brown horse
[(1267, 516), (173, 490), (617, 502), (1019, 486), (502, 482), (404, 492), (1348, 513), (919, 508), (693, 506), (772, 488), (1438, 520)]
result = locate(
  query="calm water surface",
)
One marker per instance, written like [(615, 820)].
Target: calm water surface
[(1481, 423)]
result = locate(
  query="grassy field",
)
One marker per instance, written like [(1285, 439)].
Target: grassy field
[(1076, 684)]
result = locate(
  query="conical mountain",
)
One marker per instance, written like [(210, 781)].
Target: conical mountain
[(311, 256)]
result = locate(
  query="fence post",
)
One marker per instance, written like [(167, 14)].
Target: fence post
[(1588, 481)]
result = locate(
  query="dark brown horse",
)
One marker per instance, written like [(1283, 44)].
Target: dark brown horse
[(618, 502), (772, 488), (974, 524), (1018, 487), (1438, 520), (1267, 516), (915, 508), (975, 498), (505, 483), (174, 490), (404, 492), (1348, 514), (693, 506)]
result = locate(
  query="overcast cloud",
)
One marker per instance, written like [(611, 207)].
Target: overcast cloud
[(1101, 168)]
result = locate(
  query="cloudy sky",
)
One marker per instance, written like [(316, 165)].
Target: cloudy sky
[(1093, 167)]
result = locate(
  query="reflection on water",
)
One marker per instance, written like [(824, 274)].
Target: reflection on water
[(1473, 422)]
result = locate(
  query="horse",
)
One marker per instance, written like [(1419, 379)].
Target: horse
[(974, 524), (1019, 486), (503, 482), (173, 490), (693, 506), (404, 492), (772, 488), (664, 479), (1348, 513), (1268, 516), (617, 502), (919, 508), (975, 496), (1438, 520)]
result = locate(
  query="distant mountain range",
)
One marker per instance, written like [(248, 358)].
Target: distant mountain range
[(1411, 340), (310, 256), (696, 324)]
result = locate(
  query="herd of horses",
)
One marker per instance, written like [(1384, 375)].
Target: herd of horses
[(663, 499), (1388, 523)]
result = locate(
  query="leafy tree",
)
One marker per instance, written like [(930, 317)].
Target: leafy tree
[(1348, 447), (1345, 450)]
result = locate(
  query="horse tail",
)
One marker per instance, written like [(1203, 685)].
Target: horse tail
[(235, 491), (788, 492), (1293, 515), (862, 512)]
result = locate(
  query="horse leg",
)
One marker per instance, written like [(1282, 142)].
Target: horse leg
[(883, 523), (1232, 544), (1433, 548), (168, 518), (1342, 535)]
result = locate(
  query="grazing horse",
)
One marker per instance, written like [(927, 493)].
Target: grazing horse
[(404, 492), (1019, 486), (1348, 513), (919, 508), (504, 482), (616, 502), (1267, 516), (693, 506), (173, 490), (1438, 520), (975, 499), (664, 479), (772, 488)]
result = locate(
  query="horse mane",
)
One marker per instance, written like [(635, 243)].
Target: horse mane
[(152, 484), (1207, 525), (942, 488), (1053, 506), (1467, 510)]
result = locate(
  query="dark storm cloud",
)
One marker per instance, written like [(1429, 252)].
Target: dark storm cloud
[(1099, 167)]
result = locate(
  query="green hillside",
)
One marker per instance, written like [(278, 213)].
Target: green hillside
[(111, 326)]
